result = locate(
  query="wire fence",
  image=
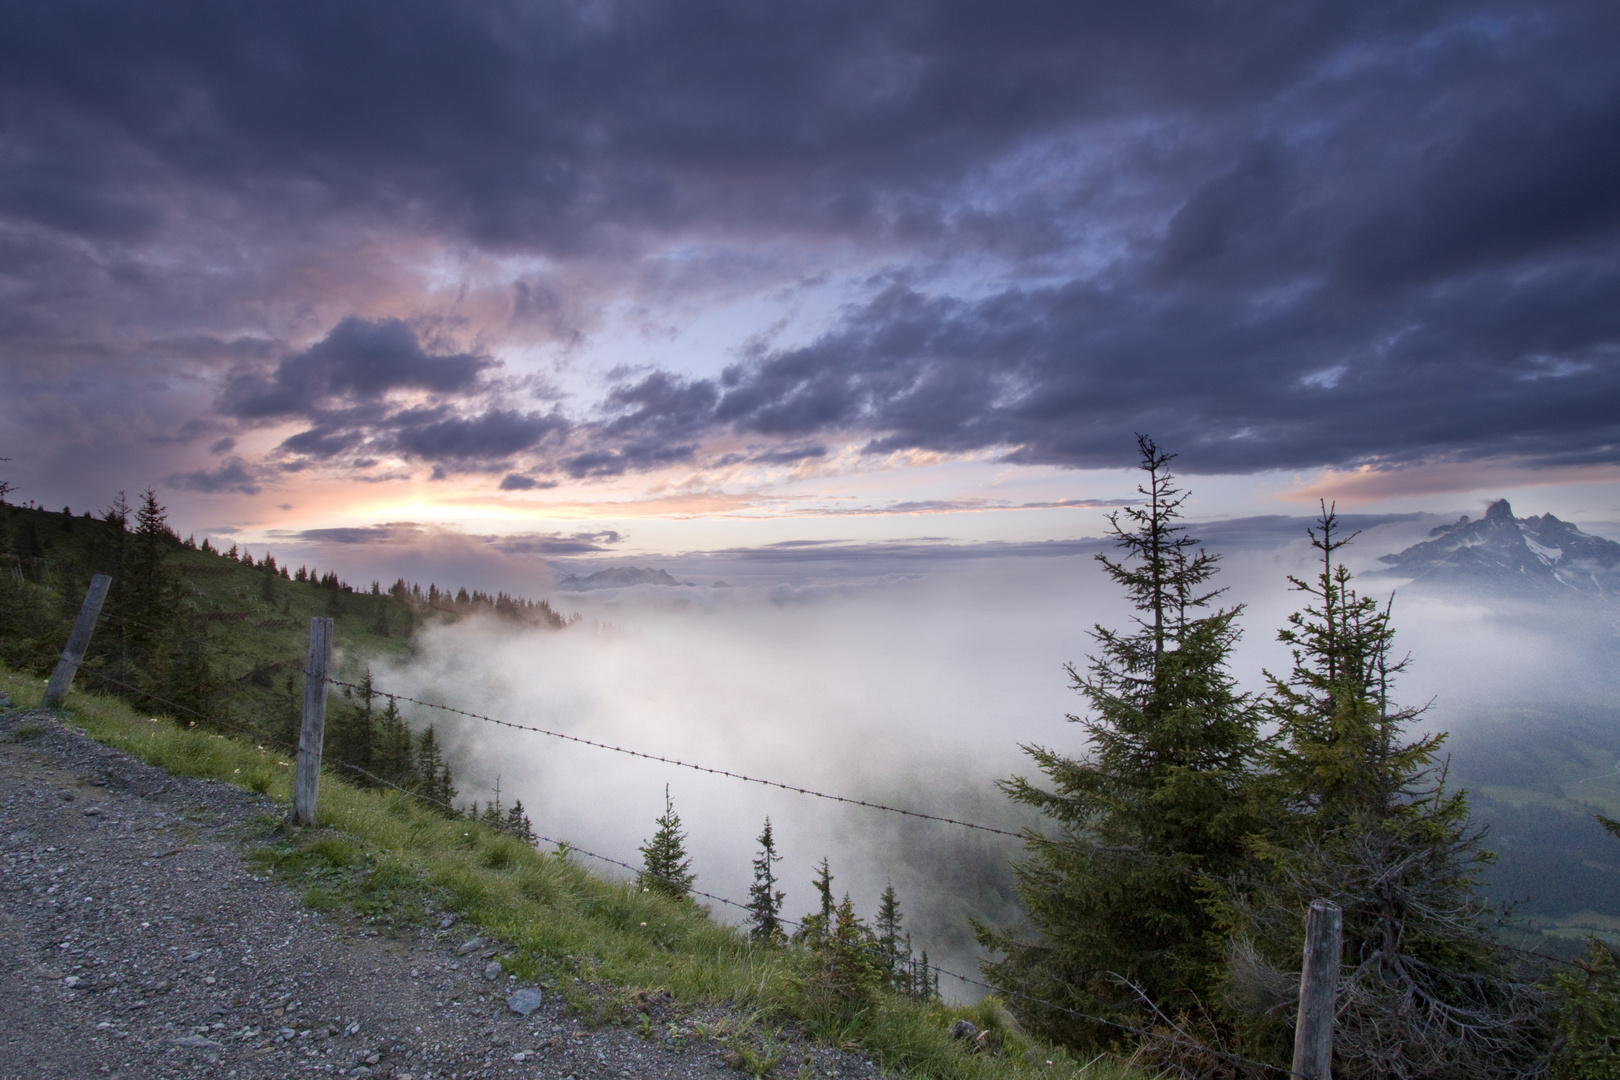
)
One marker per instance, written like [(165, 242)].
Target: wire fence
[(1166, 1033), (627, 751), (641, 872)]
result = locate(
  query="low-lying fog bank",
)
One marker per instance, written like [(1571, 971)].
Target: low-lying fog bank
[(913, 683)]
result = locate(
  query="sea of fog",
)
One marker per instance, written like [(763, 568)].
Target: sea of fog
[(913, 679)]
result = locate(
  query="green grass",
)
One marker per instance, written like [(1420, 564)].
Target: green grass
[(604, 945)]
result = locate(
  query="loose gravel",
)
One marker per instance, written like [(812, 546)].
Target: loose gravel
[(135, 941)]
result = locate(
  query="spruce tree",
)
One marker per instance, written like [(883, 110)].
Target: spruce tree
[(895, 948), (1338, 754), (1358, 813), (1158, 809), (764, 900), (518, 824), (392, 755), (814, 927), (433, 780), (665, 867), (353, 734)]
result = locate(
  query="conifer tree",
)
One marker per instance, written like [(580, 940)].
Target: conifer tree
[(895, 948), (1338, 753), (814, 927), (1358, 813), (354, 735), (764, 899), (665, 867), (268, 579), (1156, 811), (392, 756), (433, 772), (518, 824)]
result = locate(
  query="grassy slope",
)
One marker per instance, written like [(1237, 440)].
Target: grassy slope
[(385, 855)]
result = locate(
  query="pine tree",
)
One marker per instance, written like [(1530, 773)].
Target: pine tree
[(433, 773), (518, 824), (1358, 814), (665, 867), (1156, 812), (896, 949), (764, 900), (392, 756), (354, 735), (379, 625), (814, 927), (1338, 754)]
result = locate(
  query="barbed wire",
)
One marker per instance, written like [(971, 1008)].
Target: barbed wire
[(883, 954), (204, 642), (682, 764)]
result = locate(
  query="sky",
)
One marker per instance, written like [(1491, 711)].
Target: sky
[(439, 285)]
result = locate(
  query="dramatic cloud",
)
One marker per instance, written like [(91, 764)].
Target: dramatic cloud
[(359, 359), (1277, 236), (234, 475)]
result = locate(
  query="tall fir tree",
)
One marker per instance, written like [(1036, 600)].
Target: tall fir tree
[(764, 899), (1357, 812), (432, 773), (392, 756), (353, 736), (893, 942), (1338, 753), (814, 927), (665, 866), (1156, 812)]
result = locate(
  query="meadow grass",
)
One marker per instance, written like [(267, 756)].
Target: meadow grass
[(602, 944)]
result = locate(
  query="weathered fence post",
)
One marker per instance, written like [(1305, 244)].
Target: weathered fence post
[(78, 642), (1318, 988), (307, 781)]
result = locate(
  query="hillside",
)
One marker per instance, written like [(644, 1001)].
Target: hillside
[(232, 630)]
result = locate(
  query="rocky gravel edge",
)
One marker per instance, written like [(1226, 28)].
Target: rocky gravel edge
[(135, 940)]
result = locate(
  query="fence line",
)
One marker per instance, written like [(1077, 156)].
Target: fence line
[(684, 764), (965, 979), (882, 954), (204, 642)]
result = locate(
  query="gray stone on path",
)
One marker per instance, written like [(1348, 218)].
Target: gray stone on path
[(525, 1001), (471, 945), (197, 1042), (492, 970)]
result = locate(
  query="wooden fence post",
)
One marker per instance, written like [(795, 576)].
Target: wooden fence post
[(1318, 989), (78, 642), (307, 781)]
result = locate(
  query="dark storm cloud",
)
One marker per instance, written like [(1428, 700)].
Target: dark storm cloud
[(358, 534), (556, 543), (519, 482), (1273, 235), (233, 475), (358, 358)]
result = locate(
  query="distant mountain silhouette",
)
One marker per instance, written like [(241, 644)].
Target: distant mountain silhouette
[(1504, 555), (617, 578)]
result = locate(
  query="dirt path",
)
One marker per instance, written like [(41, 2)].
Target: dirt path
[(135, 942)]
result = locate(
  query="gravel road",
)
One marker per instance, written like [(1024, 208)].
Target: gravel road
[(135, 941)]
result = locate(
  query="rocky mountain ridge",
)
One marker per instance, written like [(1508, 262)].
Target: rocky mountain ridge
[(1499, 554)]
